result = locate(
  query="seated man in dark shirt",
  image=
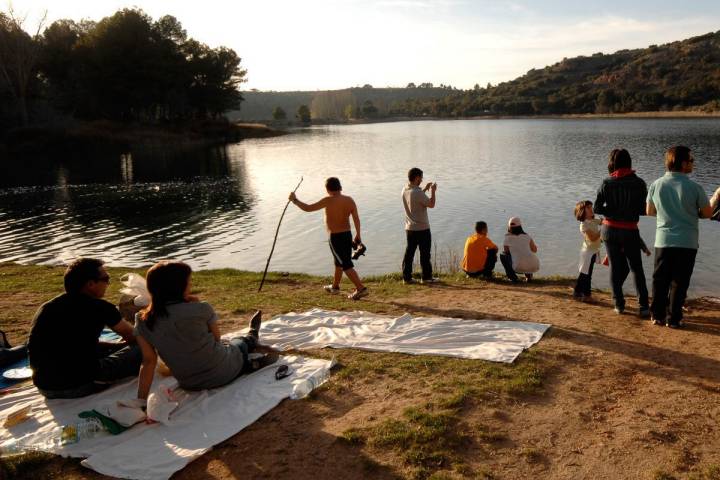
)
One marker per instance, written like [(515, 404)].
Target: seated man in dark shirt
[(66, 354)]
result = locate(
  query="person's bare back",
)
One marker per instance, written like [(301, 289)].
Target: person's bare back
[(338, 209)]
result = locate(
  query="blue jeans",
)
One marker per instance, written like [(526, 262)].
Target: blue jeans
[(506, 260), (246, 345)]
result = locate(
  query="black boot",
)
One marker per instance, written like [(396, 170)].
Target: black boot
[(255, 322)]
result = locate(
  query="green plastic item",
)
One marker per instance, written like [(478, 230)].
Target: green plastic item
[(110, 425)]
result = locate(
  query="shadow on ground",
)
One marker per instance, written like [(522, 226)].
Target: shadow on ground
[(289, 443)]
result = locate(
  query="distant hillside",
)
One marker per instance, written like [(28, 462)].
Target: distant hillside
[(332, 104), (678, 76), (683, 75), (258, 106)]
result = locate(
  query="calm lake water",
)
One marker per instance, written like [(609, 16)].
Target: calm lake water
[(219, 207)]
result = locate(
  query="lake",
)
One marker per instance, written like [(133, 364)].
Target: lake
[(219, 207)]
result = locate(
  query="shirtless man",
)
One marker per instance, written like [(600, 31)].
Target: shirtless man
[(338, 210)]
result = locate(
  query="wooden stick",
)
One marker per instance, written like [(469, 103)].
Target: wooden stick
[(275, 239)]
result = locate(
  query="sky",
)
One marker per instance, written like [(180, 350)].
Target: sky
[(333, 44)]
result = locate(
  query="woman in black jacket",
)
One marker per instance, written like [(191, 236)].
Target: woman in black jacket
[(621, 199)]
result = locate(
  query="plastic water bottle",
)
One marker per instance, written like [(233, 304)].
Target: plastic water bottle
[(317, 378), (17, 446), (64, 435), (12, 447), (85, 428)]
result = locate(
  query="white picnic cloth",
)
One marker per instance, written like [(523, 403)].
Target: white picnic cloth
[(156, 451), (495, 340)]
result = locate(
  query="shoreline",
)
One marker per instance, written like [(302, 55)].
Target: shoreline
[(560, 116), (384, 278), (112, 136)]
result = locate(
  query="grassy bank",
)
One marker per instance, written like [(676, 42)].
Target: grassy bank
[(232, 292), (591, 400), (427, 435)]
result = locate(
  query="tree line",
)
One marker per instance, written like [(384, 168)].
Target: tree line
[(333, 105), (125, 67)]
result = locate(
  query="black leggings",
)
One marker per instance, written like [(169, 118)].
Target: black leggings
[(584, 280)]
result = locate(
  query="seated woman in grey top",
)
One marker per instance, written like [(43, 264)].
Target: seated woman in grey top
[(185, 333)]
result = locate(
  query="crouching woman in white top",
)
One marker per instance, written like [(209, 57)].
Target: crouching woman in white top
[(519, 252)]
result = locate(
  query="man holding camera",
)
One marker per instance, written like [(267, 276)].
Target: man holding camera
[(417, 225)]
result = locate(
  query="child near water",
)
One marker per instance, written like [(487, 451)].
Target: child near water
[(590, 250)]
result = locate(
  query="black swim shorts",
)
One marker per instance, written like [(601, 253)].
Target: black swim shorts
[(341, 248)]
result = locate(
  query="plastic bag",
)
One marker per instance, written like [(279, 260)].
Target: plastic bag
[(135, 286), (160, 405), (126, 412)]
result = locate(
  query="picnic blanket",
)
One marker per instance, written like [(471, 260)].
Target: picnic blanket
[(156, 451), (495, 340)]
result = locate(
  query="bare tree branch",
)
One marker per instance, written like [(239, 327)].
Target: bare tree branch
[(19, 54)]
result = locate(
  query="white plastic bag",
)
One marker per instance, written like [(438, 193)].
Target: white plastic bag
[(127, 412), (135, 286), (161, 404)]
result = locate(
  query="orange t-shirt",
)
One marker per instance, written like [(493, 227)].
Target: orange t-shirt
[(476, 247)]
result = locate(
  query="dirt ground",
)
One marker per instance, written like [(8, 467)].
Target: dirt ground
[(623, 399)]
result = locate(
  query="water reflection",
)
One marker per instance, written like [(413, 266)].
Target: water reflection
[(126, 167), (136, 210), (218, 207)]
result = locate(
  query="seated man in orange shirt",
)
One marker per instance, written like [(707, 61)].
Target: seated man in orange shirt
[(480, 253)]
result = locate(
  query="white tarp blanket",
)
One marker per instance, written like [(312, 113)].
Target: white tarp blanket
[(495, 340), (156, 451)]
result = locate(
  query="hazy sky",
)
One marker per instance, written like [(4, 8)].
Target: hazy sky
[(328, 44)]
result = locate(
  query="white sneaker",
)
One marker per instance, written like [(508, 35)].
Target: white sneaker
[(430, 280), (331, 289)]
